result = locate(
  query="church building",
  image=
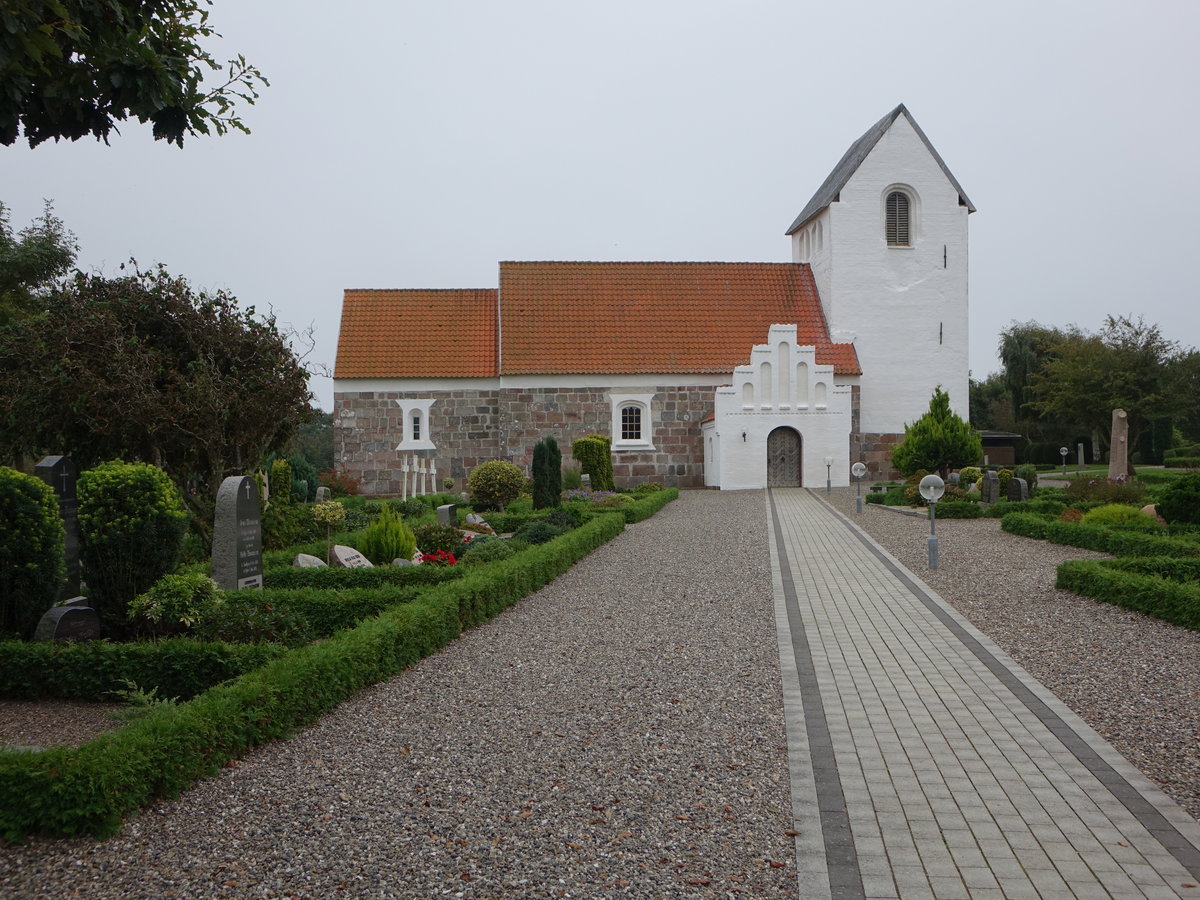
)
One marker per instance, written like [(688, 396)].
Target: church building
[(728, 375)]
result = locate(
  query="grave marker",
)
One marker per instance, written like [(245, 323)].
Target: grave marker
[(349, 558), (70, 622), (237, 535), (447, 514), (60, 473), (1018, 489), (990, 487)]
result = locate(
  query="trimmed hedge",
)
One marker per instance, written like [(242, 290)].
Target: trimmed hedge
[(1170, 567), (648, 505), (176, 667), (1092, 537), (87, 790), (336, 578), (1182, 462), (1001, 508), (1171, 601), (959, 509)]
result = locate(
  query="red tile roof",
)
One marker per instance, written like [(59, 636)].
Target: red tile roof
[(597, 317), (561, 318), (417, 334)]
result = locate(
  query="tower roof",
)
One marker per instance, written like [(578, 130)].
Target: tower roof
[(827, 193)]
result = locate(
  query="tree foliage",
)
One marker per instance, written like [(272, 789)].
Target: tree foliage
[(31, 261), (72, 68), (146, 368), (1127, 365), (938, 441), (1025, 347)]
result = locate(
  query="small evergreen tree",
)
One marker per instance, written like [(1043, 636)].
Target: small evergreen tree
[(938, 441), (547, 474), (594, 453), (31, 552)]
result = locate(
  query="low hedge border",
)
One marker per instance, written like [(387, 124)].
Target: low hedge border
[(959, 509), (176, 667), (89, 789), (1094, 537), (1002, 508), (1169, 567), (1171, 601), (337, 578), (648, 505)]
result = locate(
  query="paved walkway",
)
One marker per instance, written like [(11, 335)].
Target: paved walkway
[(926, 763)]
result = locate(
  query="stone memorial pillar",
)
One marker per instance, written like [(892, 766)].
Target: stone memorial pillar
[(1118, 454), (1079, 454), (404, 478), (60, 473), (237, 535), (322, 494)]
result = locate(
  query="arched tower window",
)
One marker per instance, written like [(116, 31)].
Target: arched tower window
[(631, 422), (898, 220)]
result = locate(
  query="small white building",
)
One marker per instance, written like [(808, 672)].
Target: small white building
[(731, 375)]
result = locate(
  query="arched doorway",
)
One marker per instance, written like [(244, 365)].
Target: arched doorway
[(784, 458)]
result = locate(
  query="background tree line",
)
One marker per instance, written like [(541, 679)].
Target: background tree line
[(1060, 386)]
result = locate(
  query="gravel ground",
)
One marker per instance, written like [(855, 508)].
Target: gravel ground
[(69, 723), (618, 734), (1133, 678)]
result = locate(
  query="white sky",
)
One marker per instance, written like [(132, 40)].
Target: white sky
[(416, 144)]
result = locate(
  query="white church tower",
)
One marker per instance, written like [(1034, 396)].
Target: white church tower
[(886, 236)]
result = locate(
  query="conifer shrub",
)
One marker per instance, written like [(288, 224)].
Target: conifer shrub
[(281, 482), (1118, 514), (32, 566), (486, 549), (494, 484), (594, 455), (387, 539), (537, 532), (131, 528), (938, 441), (1180, 502), (547, 474), (304, 479)]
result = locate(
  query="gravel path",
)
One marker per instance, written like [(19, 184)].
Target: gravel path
[(1133, 678), (618, 734)]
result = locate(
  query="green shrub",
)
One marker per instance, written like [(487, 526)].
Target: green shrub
[(968, 475), (486, 549), (1025, 524), (304, 479), (1041, 506), (1101, 490), (939, 440), (432, 537), (897, 496), (1093, 537), (1030, 474), (32, 565), (336, 578), (387, 539), (648, 487), (1112, 514), (1180, 501), (547, 474), (131, 527), (959, 509), (288, 524), (494, 484), (326, 611), (594, 455), (572, 479), (177, 600), (875, 497), (538, 532), (281, 482), (1005, 475), (564, 517), (247, 618), (1169, 567)]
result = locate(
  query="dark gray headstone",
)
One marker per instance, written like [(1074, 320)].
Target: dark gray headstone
[(307, 561), (1018, 489), (447, 514), (349, 558), (237, 535), (990, 487), (60, 473), (68, 623), (322, 494)]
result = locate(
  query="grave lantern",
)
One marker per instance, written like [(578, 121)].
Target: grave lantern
[(858, 470), (932, 487), (1063, 452)]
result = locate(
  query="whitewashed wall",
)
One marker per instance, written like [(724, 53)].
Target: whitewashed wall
[(904, 308), (782, 385)]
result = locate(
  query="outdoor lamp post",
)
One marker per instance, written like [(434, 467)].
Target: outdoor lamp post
[(1063, 451), (828, 476), (858, 470), (932, 487)]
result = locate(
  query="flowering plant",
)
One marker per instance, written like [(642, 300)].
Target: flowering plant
[(328, 514), (438, 558)]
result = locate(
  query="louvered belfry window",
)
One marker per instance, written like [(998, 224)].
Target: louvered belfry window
[(897, 219)]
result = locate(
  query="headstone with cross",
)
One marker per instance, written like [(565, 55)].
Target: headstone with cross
[(60, 473), (237, 535)]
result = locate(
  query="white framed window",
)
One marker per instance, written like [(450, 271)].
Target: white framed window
[(414, 424), (632, 424)]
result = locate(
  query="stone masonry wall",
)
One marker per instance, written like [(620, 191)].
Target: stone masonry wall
[(470, 427)]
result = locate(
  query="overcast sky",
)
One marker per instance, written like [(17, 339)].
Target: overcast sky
[(416, 144)]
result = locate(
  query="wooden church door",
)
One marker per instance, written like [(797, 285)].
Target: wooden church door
[(784, 455)]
